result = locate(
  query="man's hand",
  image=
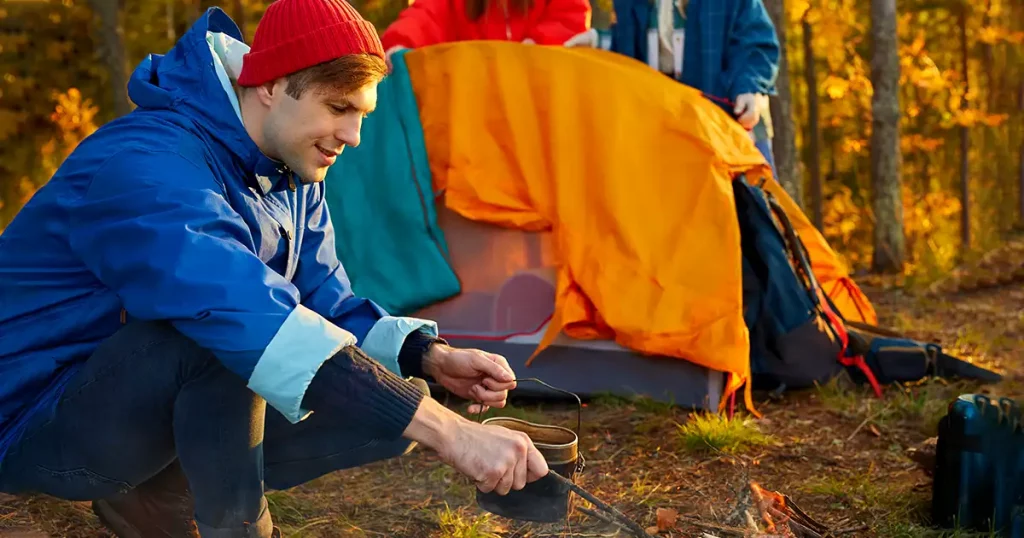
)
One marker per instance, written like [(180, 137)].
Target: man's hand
[(496, 458), (746, 110), (471, 374)]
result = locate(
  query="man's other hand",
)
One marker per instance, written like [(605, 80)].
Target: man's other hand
[(746, 110), (472, 374)]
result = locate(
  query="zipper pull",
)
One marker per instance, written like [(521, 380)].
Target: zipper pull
[(291, 181)]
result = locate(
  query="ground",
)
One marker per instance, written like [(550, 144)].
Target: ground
[(841, 454)]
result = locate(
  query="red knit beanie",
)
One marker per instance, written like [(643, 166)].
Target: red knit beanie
[(296, 34)]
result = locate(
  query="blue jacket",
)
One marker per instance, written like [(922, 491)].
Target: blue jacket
[(731, 46), (172, 213)]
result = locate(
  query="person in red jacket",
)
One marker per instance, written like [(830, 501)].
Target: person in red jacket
[(542, 22)]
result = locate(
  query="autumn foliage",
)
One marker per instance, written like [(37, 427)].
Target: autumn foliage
[(53, 93)]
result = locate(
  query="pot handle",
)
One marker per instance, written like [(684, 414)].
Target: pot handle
[(579, 403)]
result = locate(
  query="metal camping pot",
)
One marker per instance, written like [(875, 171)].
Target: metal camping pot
[(545, 500)]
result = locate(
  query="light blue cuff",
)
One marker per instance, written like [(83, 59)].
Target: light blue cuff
[(386, 337), (303, 343)]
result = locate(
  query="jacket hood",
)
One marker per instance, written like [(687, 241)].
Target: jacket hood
[(185, 80)]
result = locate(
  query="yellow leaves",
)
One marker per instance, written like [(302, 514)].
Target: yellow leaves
[(917, 47), (926, 76), (796, 9), (835, 87), (916, 142), (853, 146), (972, 117), (26, 188), (75, 119), (846, 223), (990, 35)]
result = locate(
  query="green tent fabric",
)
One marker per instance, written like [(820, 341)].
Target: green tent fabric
[(381, 201)]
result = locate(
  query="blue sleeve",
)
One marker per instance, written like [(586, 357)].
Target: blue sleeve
[(157, 229), (325, 288), (752, 57)]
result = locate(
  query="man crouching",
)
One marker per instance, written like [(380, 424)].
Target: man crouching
[(178, 273)]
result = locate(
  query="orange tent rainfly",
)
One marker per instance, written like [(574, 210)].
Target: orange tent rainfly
[(632, 173)]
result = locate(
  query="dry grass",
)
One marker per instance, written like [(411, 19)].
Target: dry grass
[(836, 450)]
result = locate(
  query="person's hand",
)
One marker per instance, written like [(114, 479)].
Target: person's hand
[(389, 52), (471, 374), (583, 39), (496, 458), (746, 110)]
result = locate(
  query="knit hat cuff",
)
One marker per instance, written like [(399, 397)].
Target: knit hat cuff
[(316, 47)]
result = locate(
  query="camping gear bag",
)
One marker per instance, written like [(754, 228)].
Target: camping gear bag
[(979, 467), (798, 338)]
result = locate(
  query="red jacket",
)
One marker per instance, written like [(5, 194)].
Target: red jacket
[(428, 22)]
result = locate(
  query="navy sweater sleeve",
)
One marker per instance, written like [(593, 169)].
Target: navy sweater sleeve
[(350, 382)]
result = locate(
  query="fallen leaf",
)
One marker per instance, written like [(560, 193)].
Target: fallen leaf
[(874, 430), (666, 518), (652, 530)]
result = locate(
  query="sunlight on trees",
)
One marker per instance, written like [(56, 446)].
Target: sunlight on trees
[(54, 91)]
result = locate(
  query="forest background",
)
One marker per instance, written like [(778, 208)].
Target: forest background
[(945, 107)]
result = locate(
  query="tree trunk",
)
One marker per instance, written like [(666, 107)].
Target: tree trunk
[(965, 142), (1020, 190), (171, 34), (813, 127), (112, 39), (784, 143), (885, 139), (240, 17)]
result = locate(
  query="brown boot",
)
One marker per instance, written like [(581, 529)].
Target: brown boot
[(161, 507)]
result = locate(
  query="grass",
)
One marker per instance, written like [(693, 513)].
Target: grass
[(706, 432), (643, 404), (456, 524), (910, 407)]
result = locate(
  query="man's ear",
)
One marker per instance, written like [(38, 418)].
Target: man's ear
[(268, 91)]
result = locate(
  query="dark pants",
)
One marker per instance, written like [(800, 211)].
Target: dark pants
[(150, 396)]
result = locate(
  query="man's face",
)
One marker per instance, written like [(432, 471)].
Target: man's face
[(308, 134)]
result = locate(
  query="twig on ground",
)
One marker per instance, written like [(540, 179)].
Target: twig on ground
[(636, 529), (608, 459), (848, 530), (863, 423), (804, 518), (598, 515)]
